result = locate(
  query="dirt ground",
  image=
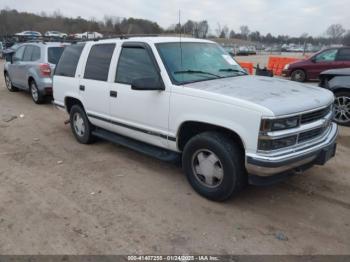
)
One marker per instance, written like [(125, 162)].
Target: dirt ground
[(60, 197)]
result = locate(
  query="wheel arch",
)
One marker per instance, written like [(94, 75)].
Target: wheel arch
[(189, 129), (339, 89), (70, 101)]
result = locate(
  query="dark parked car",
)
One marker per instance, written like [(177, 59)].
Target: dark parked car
[(310, 68), (338, 81)]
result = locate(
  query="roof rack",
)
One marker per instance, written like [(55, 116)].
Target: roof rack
[(48, 39)]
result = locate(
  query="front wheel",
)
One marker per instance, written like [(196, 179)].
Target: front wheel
[(80, 125), (9, 84), (342, 108), (298, 75), (214, 166)]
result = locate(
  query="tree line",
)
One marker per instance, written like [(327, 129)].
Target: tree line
[(12, 21)]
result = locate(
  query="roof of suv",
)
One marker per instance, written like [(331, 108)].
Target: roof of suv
[(153, 40)]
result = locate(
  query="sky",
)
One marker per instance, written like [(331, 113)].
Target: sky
[(292, 17)]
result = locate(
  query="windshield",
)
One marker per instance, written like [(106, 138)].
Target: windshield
[(54, 54), (199, 62)]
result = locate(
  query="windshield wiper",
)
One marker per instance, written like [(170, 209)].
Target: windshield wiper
[(232, 70), (196, 72)]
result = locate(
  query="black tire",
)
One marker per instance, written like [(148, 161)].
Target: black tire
[(85, 137), (343, 98), (231, 160), (36, 95), (299, 75), (9, 84)]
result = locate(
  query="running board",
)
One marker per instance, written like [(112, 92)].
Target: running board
[(150, 150)]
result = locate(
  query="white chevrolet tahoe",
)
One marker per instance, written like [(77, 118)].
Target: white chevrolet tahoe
[(188, 99)]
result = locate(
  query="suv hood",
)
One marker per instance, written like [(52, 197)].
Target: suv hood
[(280, 96)]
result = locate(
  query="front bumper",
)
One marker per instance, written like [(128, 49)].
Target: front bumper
[(316, 154), (286, 73)]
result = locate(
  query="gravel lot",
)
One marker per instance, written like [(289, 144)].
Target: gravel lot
[(60, 197)]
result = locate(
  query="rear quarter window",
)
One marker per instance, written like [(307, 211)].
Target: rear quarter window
[(54, 54), (68, 62)]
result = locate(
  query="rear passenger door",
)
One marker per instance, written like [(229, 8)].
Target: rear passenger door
[(344, 57), (94, 86), (139, 114)]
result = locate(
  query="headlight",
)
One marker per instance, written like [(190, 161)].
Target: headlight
[(268, 125), (286, 67), (274, 144)]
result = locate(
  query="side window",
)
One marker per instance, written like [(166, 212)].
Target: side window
[(19, 54), (134, 63), (98, 62), (327, 56), (68, 63), (36, 53), (28, 54), (344, 54)]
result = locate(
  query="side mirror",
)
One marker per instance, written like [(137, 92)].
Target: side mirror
[(313, 59), (148, 84), (9, 57)]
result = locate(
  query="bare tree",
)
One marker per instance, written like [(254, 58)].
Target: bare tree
[(335, 32), (245, 31)]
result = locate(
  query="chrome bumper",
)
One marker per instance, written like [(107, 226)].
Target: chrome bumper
[(265, 165)]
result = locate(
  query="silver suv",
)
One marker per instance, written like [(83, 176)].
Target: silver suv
[(31, 67)]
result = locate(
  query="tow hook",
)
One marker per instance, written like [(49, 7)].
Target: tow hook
[(67, 122)]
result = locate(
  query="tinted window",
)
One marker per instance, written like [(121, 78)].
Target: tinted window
[(28, 53), (344, 54), (97, 65), (19, 54), (327, 56), (36, 53), (134, 63), (54, 54), (69, 61)]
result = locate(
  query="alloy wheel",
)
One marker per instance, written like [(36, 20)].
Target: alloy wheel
[(342, 109), (34, 91)]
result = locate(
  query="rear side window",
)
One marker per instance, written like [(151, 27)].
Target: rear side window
[(134, 63), (344, 54), (98, 62), (36, 53), (54, 54), (27, 56), (68, 63)]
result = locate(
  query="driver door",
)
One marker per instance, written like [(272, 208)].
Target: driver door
[(140, 114), (324, 61), (16, 66)]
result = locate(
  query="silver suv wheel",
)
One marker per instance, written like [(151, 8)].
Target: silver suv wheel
[(34, 91), (8, 82)]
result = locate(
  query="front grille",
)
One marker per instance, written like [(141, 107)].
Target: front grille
[(309, 135), (314, 116)]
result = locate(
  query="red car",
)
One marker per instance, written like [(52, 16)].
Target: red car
[(310, 68)]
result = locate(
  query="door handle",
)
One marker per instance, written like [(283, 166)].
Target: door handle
[(113, 93), (82, 88)]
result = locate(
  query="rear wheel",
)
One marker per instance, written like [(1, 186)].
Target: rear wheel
[(80, 125), (9, 84), (298, 75), (214, 166), (342, 108), (35, 93)]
